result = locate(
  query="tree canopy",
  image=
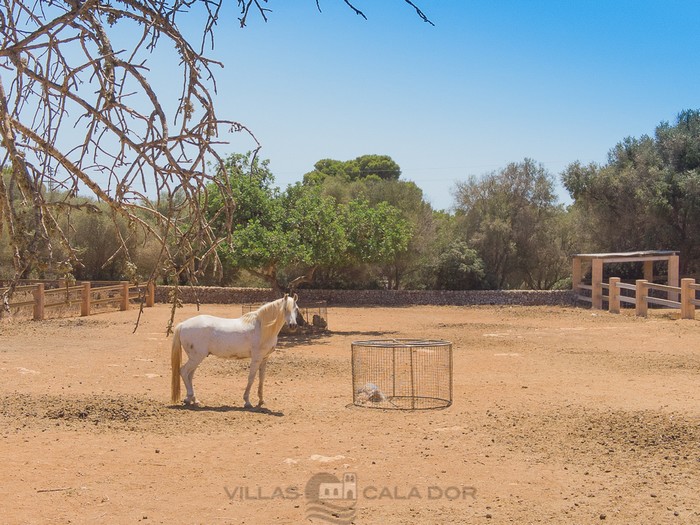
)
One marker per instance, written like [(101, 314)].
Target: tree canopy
[(647, 196), (511, 217), (367, 166), (284, 237), (78, 114)]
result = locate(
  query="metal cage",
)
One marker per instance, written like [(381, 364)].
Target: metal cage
[(313, 316), (402, 374)]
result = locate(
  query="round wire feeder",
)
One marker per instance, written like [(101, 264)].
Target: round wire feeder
[(402, 374)]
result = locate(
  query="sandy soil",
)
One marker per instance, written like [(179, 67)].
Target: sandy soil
[(559, 416)]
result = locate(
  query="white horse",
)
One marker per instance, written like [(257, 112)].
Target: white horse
[(253, 335)]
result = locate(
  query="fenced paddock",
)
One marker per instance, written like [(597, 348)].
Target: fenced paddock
[(680, 294), (558, 417), (598, 261), (57, 298), (643, 293)]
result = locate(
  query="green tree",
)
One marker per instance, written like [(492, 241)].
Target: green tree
[(647, 195), (375, 178), (459, 268), (286, 237), (80, 113), (275, 234), (375, 233), (92, 235), (511, 218), (379, 166)]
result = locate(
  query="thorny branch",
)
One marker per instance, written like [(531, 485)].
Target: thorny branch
[(79, 114)]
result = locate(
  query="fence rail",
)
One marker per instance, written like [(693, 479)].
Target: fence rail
[(683, 297), (87, 294)]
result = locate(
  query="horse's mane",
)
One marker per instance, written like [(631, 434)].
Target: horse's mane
[(268, 315)]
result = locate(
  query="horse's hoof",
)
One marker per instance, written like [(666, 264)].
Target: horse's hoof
[(260, 404), (247, 405)]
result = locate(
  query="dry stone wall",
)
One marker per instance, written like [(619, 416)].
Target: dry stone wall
[(216, 295)]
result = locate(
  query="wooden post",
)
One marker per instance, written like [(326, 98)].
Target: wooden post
[(39, 301), (597, 283), (150, 294), (673, 276), (576, 275), (125, 295), (649, 271), (687, 296), (641, 297), (85, 303), (614, 295)]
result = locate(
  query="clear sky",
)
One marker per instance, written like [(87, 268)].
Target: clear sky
[(493, 82)]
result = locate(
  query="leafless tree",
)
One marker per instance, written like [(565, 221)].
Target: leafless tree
[(79, 115)]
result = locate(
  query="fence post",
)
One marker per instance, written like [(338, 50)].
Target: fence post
[(640, 302), (687, 298), (85, 303), (39, 301), (613, 295), (597, 283), (576, 276), (673, 276), (150, 294), (125, 295)]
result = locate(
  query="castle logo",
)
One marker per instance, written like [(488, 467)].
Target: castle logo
[(330, 499)]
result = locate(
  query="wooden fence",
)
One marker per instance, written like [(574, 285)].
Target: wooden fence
[(41, 297), (644, 293)]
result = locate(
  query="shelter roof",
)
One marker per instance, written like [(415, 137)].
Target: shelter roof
[(648, 255)]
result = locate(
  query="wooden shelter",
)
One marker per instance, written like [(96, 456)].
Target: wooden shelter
[(598, 260)]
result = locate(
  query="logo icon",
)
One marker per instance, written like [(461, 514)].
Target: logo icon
[(331, 499)]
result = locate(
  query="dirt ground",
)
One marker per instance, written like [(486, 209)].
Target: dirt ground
[(560, 415)]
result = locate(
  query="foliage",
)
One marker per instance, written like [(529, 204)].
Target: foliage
[(375, 233), (375, 178), (511, 217), (380, 166), (460, 268), (78, 114), (647, 196), (285, 237)]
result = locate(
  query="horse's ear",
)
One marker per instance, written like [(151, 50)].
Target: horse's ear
[(285, 296), (296, 298)]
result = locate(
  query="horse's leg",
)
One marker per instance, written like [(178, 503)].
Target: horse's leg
[(187, 373), (261, 379), (254, 366)]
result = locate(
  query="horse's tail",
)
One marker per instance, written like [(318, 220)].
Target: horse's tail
[(175, 363)]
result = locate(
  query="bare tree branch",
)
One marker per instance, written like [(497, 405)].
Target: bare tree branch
[(420, 13), (79, 116)]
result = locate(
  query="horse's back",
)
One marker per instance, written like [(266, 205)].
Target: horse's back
[(218, 336)]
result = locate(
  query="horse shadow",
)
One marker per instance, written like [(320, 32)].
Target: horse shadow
[(324, 338), (223, 409), (293, 339)]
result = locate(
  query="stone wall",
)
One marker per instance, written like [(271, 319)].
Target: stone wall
[(216, 295)]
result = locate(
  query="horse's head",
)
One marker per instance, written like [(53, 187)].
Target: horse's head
[(290, 308)]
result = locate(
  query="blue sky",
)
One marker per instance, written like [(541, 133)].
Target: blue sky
[(492, 82)]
